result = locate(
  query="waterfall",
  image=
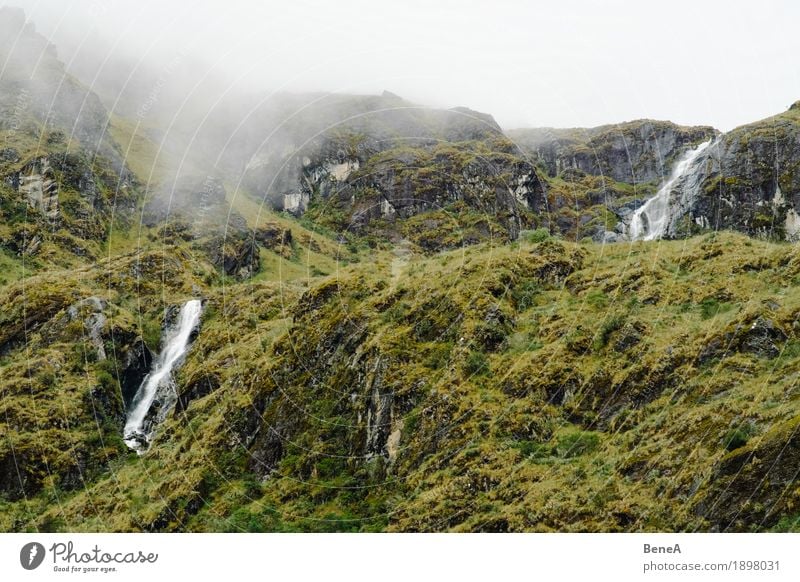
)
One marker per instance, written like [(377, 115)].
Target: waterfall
[(139, 424), (651, 220)]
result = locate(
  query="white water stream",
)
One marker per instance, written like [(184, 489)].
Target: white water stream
[(651, 220), (176, 344)]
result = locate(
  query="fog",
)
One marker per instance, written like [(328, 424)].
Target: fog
[(561, 64)]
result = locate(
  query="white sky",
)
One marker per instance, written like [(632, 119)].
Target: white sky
[(560, 63)]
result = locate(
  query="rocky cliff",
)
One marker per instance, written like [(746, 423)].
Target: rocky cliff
[(747, 181), (383, 159), (633, 152)]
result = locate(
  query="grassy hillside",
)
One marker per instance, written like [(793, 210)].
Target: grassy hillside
[(528, 387)]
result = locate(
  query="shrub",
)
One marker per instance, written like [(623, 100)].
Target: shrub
[(576, 443), (476, 363), (438, 355), (609, 326), (524, 295), (534, 449), (536, 236), (597, 299), (151, 334), (737, 437), (397, 312), (491, 335), (711, 308), (106, 380)]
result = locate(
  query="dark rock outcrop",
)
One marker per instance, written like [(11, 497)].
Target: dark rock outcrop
[(756, 483), (136, 362), (236, 255), (633, 152), (384, 159), (748, 181), (194, 388), (759, 336)]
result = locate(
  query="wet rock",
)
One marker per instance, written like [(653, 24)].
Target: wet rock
[(94, 321), (623, 211), (195, 388), (608, 237), (236, 255), (760, 336), (135, 365), (274, 237)]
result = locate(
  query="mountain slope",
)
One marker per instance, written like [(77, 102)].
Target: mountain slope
[(532, 387), (399, 350)]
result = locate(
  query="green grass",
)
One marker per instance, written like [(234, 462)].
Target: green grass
[(515, 400)]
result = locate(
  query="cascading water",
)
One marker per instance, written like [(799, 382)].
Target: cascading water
[(651, 220), (176, 344)]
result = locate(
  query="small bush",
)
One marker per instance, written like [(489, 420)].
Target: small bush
[(566, 446), (609, 326), (576, 443), (397, 312), (491, 335), (788, 524), (597, 299), (524, 295), (536, 236), (534, 449), (151, 334), (711, 308), (438, 355), (106, 380), (737, 437), (476, 363)]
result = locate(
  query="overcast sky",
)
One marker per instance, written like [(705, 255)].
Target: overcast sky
[(561, 63)]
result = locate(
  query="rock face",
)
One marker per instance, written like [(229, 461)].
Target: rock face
[(400, 184), (136, 363), (384, 159), (235, 254), (747, 182), (195, 208), (744, 181), (633, 152), (755, 483), (91, 309), (40, 190), (41, 179)]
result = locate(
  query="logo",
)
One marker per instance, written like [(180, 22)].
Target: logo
[(31, 555)]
